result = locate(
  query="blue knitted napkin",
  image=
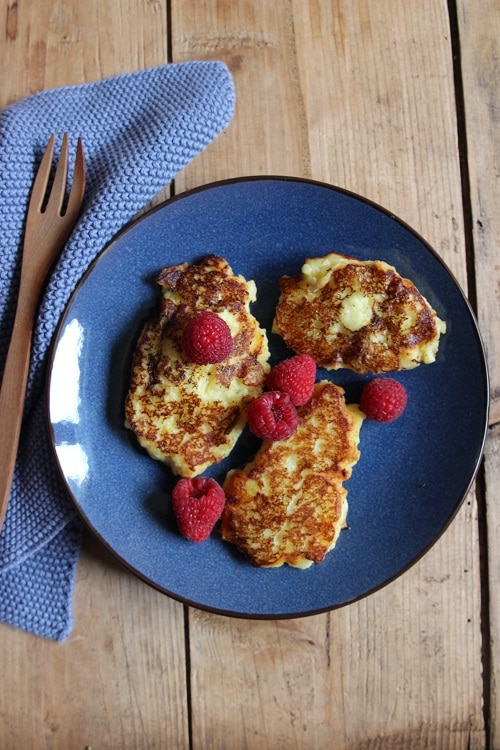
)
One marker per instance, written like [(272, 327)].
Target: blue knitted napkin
[(139, 130)]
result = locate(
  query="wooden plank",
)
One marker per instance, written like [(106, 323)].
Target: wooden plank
[(479, 25), (56, 44), (360, 95), (117, 681), (492, 633), (480, 54), (260, 51), (495, 410), (120, 679)]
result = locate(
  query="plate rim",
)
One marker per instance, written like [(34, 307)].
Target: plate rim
[(144, 216)]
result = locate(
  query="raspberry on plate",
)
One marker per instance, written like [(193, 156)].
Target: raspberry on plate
[(272, 416), (207, 338), (295, 376), (383, 399), (198, 504)]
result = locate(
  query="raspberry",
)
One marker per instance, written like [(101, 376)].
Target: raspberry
[(272, 416), (294, 376), (207, 338), (383, 399), (198, 505)]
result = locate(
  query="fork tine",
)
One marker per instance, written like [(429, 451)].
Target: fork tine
[(42, 176), (58, 190), (78, 183)]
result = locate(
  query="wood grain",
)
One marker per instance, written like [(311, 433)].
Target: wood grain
[(480, 55), (256, 40), (479, 26), (114, 683), (369, 105), (58, 43), (120, 679), (492, 632)]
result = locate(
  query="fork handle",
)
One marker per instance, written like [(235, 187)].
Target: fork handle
[(13, 391)]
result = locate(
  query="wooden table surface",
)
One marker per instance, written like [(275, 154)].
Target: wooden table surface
[(398, 101)]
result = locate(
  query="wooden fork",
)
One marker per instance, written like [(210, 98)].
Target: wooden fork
[(47, 229)]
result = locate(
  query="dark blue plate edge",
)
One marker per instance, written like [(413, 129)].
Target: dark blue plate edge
[(232, 613)]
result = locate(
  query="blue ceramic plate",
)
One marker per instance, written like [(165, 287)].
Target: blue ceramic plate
[(413, 473)]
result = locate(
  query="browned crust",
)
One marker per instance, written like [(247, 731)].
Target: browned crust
[(201, 424), (357, 350), (304, 505)]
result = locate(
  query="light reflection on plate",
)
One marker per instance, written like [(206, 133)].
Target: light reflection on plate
[(413, 474), (64, 392)]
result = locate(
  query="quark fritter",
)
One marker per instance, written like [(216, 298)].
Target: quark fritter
[(289, 504), (360, 315), (185, 414)]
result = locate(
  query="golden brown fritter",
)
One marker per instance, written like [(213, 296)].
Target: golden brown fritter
[(185, 414), (361, 315), (289, 504)]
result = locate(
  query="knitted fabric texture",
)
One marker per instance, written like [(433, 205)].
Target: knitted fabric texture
[(139, 130)]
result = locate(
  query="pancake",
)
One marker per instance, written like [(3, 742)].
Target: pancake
[(185, 414), (289, 505), (360, 315)]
